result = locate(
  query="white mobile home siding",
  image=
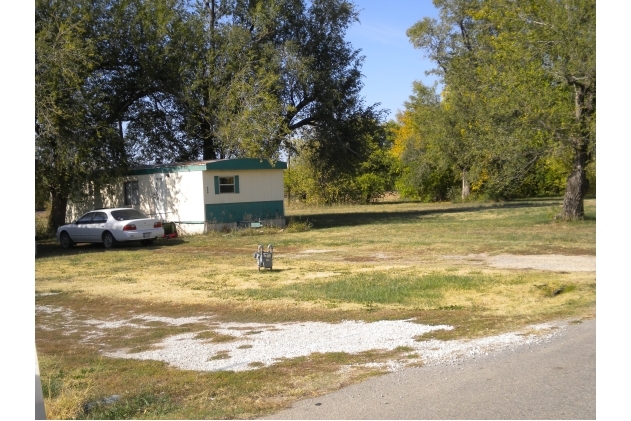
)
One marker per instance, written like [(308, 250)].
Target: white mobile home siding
[(254, 186)]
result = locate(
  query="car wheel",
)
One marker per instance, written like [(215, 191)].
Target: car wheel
[(108, 240), (65, 240), (146, 242)]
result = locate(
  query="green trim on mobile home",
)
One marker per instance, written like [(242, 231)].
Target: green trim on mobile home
[(235, 212)]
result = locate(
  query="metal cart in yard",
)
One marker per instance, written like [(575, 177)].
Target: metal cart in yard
[(264, 258)]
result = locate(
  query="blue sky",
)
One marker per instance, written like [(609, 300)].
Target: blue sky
[(391, 63)]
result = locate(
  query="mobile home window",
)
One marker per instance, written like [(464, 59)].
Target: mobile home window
[(131, 193), (226, 184)]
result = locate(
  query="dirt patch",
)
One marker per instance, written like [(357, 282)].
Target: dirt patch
[(320, 275), (316, 251), (359, 259), (372, 258), (550, 262)]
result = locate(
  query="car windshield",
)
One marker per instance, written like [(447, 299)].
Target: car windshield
[(126, 214)]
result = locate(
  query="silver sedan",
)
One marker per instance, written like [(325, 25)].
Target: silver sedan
[(110, 226)]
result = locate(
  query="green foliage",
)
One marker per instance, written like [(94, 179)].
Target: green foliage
[(317, 175), (370, 186), (94, 61), (41, 229), (310, 180), (516, 116), (430, 161), (313, 186), (254, 73), (548, 178), (42, 198)]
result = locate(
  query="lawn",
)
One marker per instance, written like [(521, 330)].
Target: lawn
[(385, 261)]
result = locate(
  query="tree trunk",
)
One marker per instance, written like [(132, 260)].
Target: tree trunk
[(576, 188), (288, 180), (58, 204), (577, 185), (208, 145), (209, 149), (465, 185)]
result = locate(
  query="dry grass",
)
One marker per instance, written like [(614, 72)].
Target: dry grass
[(392, 250)]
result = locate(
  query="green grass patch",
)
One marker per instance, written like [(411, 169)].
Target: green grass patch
[(223, 355), (213, 336), (552, 290), (142, 406), (374, 288)]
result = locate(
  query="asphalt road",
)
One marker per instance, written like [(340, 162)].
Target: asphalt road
[(554, 380)]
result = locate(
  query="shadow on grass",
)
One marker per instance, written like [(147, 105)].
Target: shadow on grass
[(51, 248), (334, 220)]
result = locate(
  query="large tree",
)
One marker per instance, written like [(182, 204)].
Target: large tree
[(261, 73), (560, 36), (66, 137), (453, 43), (428, 148), (93, 61), (520, 82)]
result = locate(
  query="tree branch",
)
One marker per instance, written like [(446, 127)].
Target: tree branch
[(304, 122)]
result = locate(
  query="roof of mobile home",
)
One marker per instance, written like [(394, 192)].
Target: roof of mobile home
[(215, 164)]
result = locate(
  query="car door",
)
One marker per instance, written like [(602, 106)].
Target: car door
[(79, 232), (97, 226)]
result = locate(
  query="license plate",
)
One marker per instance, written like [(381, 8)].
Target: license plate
[(146, 234)]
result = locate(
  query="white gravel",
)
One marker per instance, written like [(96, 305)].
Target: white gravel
[(257, 345), (266, 344)]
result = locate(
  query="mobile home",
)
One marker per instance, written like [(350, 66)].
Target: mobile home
[(198, 196)]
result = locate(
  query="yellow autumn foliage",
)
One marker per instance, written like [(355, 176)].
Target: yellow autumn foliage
[(405, 134)]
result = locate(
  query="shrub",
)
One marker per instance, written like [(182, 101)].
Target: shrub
[(41, 227), (298, 226)]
